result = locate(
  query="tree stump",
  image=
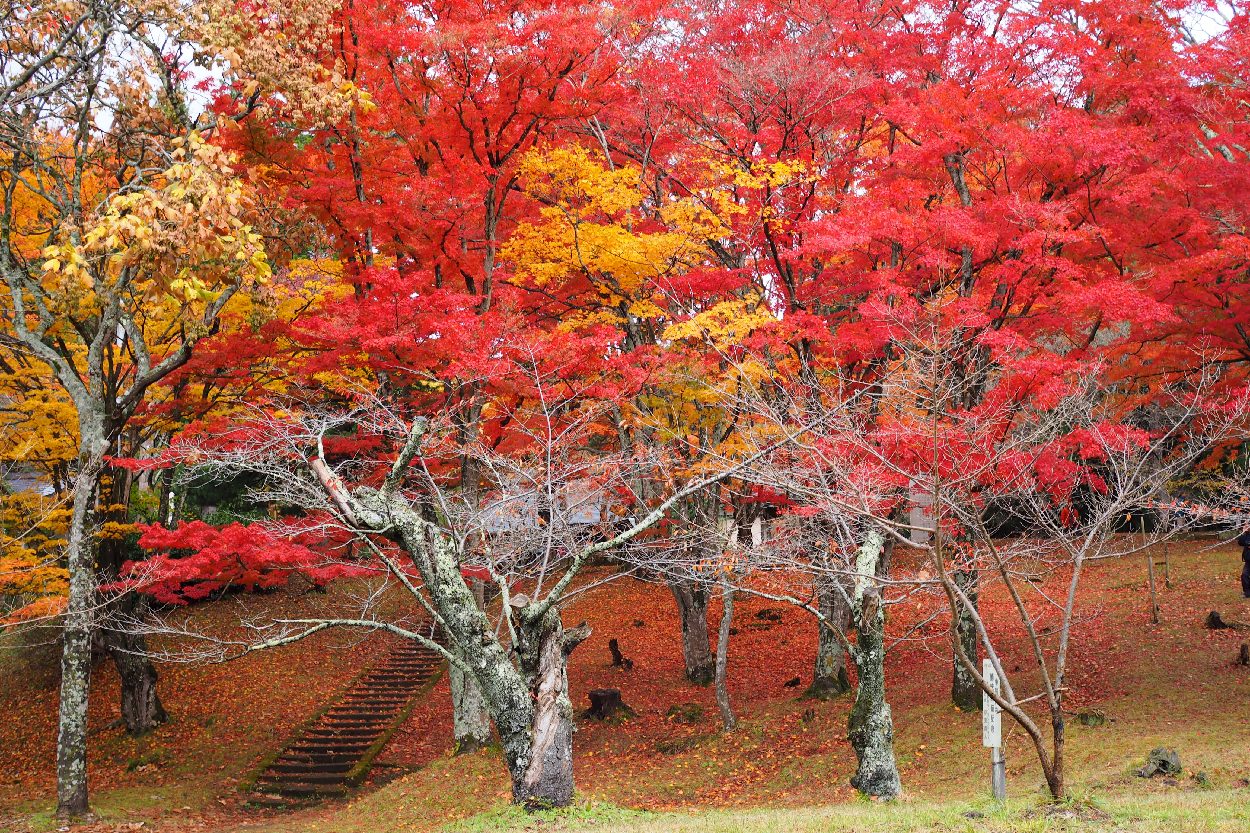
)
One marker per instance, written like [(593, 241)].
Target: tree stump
[(606, 704), (619, 660), (1216, 622)]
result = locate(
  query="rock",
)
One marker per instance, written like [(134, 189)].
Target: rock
[(687, 713), (1093, 717), (606, 704), (1161, 762)]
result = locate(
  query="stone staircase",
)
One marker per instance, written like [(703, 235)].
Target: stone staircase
[(334, 750)]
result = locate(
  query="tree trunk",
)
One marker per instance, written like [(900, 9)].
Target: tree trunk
[(692, 601), (829, 677), (530, 705), (871, 725), (965, 693), (722, 658), (141, 708), (470, 719), (140, 704), (546, 779), (71, 741), (1054, 775)]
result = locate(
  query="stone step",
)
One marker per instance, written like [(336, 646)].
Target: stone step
[(357, 720), (306, 777), (289, 768), (315, 748), (301, 790), (331, 735), (315, 764), (319, 758), (388, 701)]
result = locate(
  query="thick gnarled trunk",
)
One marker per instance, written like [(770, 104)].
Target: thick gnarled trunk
[(871, 726), (141, 706), (546, 779), (692, 599), (530, 703), (829, 677), (965, 693)]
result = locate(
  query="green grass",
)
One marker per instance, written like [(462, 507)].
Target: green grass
[(1209, 812)]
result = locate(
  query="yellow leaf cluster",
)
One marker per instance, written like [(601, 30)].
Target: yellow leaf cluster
[(586, 237), (186, 237), (275, 47), (32, 530), (724, 324)]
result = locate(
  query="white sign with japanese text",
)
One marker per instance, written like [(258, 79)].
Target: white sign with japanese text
[(991, 712)]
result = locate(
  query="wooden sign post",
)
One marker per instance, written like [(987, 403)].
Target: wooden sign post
[(992, 731)]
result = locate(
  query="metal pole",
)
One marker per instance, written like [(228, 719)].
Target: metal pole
[(998, 773)]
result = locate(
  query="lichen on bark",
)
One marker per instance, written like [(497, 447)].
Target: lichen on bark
[(871, 725)]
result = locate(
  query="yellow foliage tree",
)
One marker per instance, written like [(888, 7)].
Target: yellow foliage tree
[(612, 254)]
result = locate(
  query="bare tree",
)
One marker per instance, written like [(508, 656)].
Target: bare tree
[(1067, 472), (543, 517), (837, 500)]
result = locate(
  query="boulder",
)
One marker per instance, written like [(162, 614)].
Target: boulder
[(1161, 761)]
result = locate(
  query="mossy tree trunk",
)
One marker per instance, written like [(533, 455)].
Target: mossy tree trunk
[(829, 676), (871, 726), (965, 693), (543, 646), (80, 607), (728, 719), (470, 719), (471, 728), (528, 700)]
